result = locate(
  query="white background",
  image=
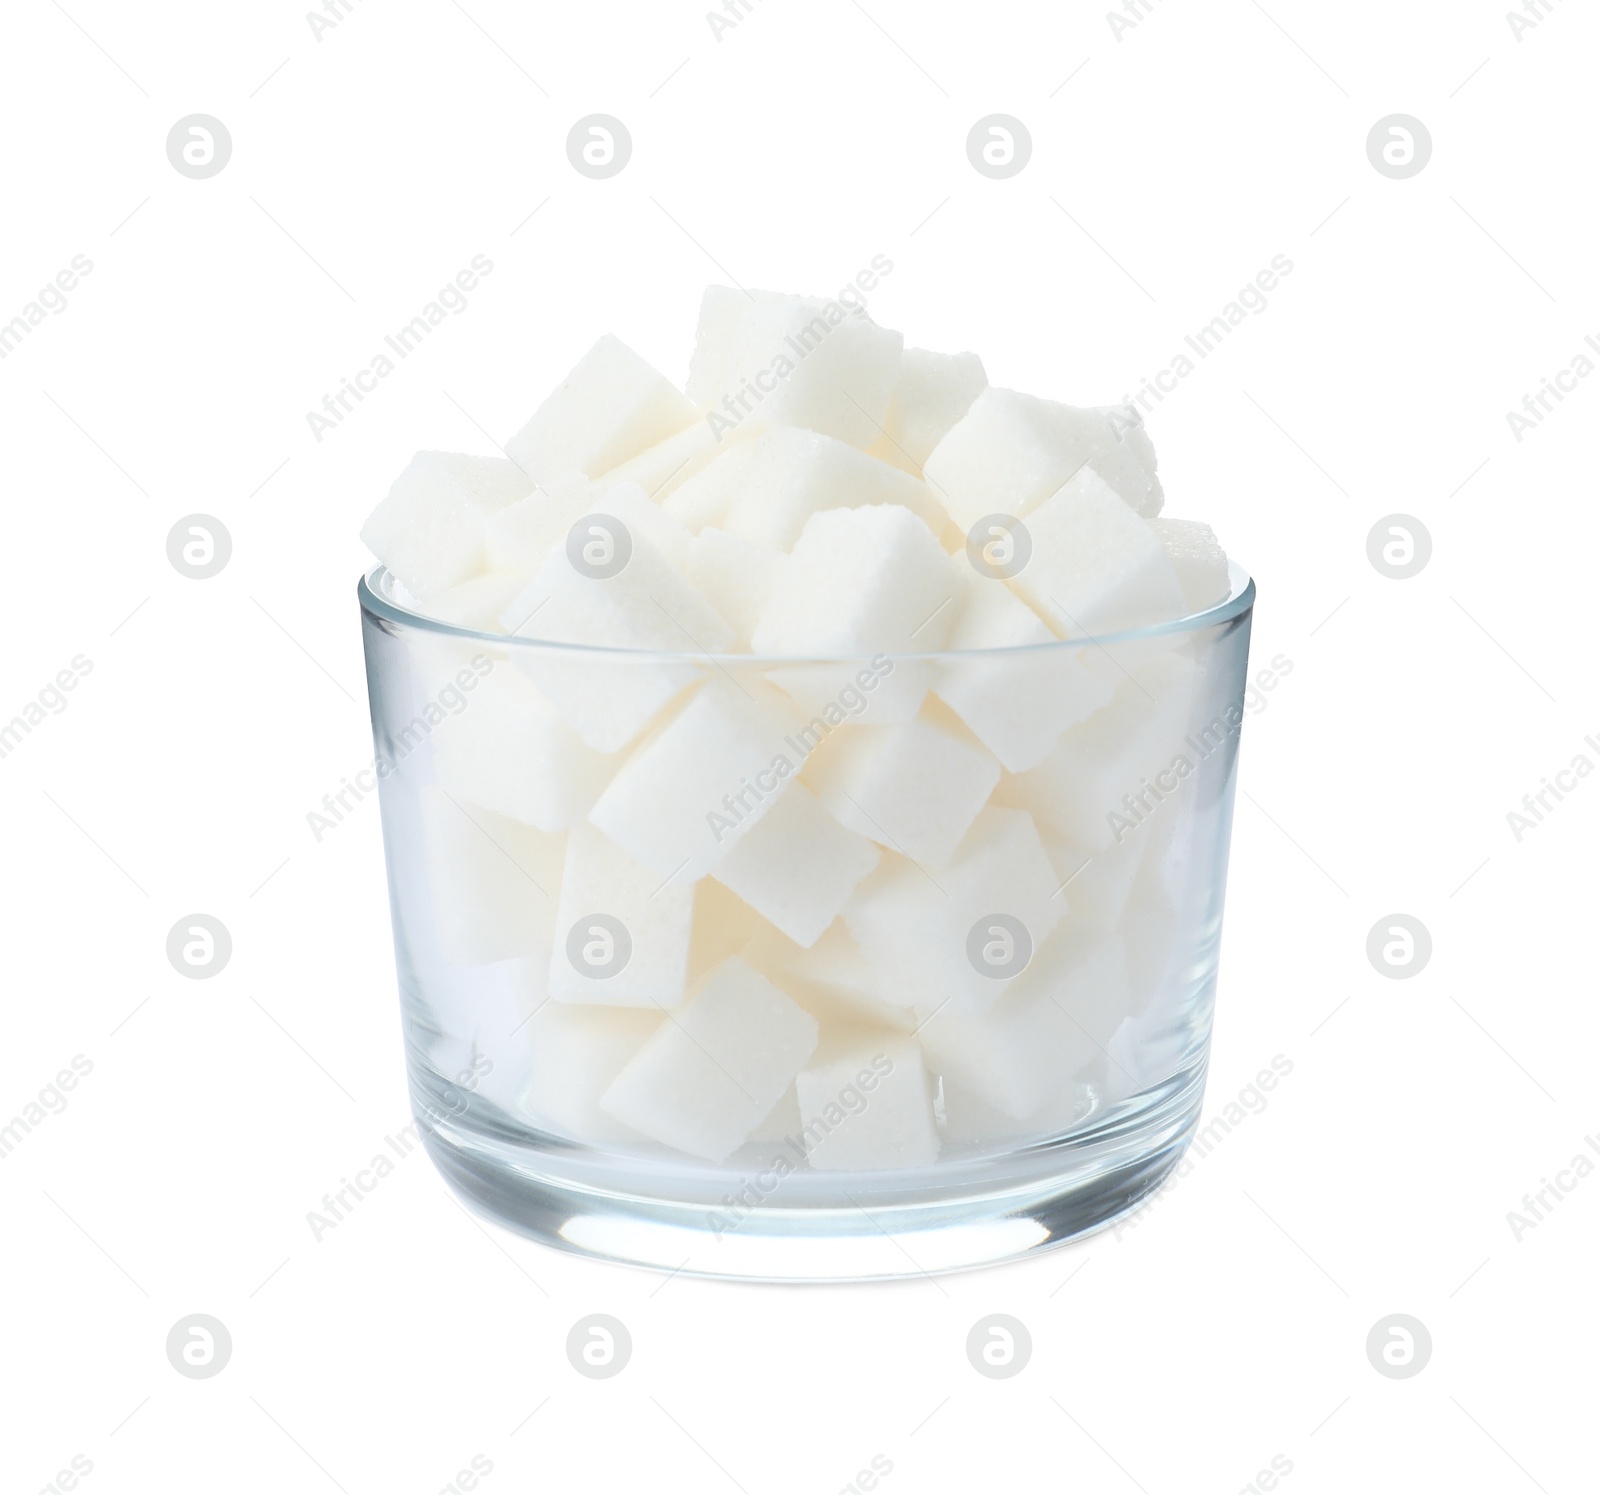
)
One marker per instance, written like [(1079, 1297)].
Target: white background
[(1181, 1355)]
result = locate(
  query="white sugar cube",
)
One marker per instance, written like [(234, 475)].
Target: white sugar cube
[(663, 468), (1111, 771), (1197, 558), (860, 582), (707, 1077), (706, 497), (793, 474), (932, 391), (788, 359), (724, 924), (914, 787), (735, 577), (576, 1053), (1016, 703), (832, 980), (1095, 566), (494, 881), (682, 802), (429, 531), (1011, 451), (610, 407), (1098, 881), (867, 1104), (647, 605), (964, 933), (1051, 1029), (522, 537), (797, 866), (512, 752), (1127, 424), (477, 604), (621, 937)]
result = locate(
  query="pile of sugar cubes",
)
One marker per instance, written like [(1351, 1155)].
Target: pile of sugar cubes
[(836, 847)]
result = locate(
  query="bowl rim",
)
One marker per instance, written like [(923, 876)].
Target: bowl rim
[(372, 589)]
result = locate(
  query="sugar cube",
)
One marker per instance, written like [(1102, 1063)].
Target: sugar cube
[(867, 1104), (610, 407), (512, 752), (932, 391), (494, 880), (576, 1054), (914, 787), (797, 865), (680, 804), (710, 1074), (429, 531), (1197, 558), (1095, 566), (792, 360), (621, 938)]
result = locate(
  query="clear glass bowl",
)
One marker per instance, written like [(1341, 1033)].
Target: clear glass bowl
[(772, 969)]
